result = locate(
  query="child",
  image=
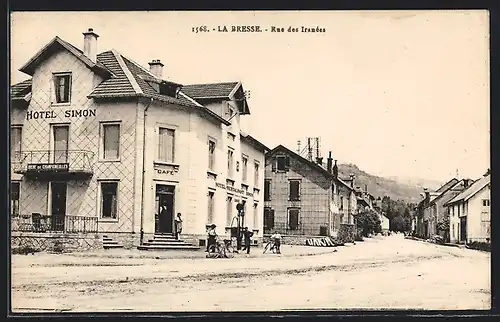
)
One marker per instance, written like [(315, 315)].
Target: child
[(212, 236)]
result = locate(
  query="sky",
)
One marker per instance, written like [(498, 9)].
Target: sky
[(398, 93)]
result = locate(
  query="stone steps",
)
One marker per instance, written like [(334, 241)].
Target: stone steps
[(108, 243), (166, 242)]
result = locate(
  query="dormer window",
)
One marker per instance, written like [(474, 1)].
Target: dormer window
[(62, 86)]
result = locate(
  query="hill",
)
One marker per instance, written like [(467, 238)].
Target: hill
[(404, 189)]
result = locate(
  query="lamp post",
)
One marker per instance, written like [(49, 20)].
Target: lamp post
[(241, 215)]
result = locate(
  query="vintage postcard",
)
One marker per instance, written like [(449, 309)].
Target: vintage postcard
[(224, 161)]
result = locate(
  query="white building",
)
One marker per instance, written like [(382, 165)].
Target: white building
[(100, 142), (470, 213)]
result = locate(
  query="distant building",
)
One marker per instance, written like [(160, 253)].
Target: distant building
[(301, 197), (470, 213)]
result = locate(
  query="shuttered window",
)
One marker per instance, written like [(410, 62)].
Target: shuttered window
[(166, 144), (229, 210), (230, 163), (267, 190), (256, 175), (244, 171), (14, 198), (293, 218), (211, 155), (268, 219), (294, 190), (62, 87)]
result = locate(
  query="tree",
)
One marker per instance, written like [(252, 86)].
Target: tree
[(444, 226), (368, 222)]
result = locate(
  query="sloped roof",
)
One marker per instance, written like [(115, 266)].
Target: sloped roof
[(218, 91), (253, 141), (20, 90), (447, 185), (471, 191), (310, 163), (57, 44), (211, 91)]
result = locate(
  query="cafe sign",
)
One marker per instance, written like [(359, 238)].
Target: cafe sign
[(233, 189), (48, 167)]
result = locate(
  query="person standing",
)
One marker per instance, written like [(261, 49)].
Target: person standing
[(178, 225), (163, 218), (277, 242), (212, 236), (247, 235)]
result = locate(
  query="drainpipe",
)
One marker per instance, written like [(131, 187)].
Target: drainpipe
[(144, 168)]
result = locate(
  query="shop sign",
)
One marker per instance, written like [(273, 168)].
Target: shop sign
[(48, 167), (233, 189), (165, 171)]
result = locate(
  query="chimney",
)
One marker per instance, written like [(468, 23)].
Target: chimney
[(351, 177), (156, 68), (329, 162), (366, 188), (335, 170), (90, 44), (466, 183)]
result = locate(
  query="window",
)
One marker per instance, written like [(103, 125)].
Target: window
[(62, 85), (282, 163), (229, 209), (267, 190), (61, 143), (268, 219), (16, 133), (453, 231), (14, 198), (230, 162), (109, 200), (293, 218), (341, 202), (210, 212), (111, 141), (244, 161), (255, 216), (166, 144), (294, 190), (256, 174), (228, 110), (211, 154), (486, 202)]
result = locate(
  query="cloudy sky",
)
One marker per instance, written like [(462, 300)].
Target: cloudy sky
[(397, 93)]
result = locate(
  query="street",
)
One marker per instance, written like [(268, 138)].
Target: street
[(381, 272)]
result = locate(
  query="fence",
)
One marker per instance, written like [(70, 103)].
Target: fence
[(43, 223), (320, 229)]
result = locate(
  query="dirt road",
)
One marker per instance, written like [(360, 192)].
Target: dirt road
[(389, 272)]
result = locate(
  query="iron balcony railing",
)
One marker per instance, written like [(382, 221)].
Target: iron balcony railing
[(318, 229), (53, 161), (56, 223)]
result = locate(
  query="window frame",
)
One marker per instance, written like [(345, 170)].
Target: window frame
[(230, 165), (267, 192), (18, 183), (55, 77), (229, 209), (244, 168), (102, 125), (289, 209), (211, 154), (256, 175), (268, 213), (290, 181), (283, 157), (210, 206), (100, 200), (14, 153), (167, 127)]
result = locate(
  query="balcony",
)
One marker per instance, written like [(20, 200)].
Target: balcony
[(56, 164), (63, 224)]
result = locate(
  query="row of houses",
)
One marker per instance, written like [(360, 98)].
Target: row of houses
[(102, 145), (459, 211)]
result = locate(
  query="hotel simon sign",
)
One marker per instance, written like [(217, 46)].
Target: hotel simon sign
[(51, 114)]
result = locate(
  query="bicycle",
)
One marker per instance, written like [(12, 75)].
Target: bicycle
[(270, 246), (221, 249)]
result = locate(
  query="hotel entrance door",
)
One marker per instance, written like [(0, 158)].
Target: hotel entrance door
[(164, 221), (58, 204)]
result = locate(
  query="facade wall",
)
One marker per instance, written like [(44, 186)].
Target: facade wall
[(84, 117), (478, 217), (315, 196)]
